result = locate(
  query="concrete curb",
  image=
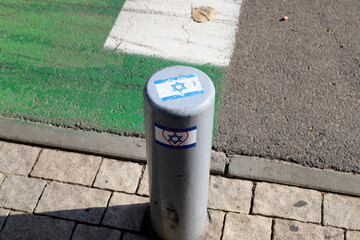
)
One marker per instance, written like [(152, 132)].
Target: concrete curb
[(104, 144), (294, 174), (131, 148)]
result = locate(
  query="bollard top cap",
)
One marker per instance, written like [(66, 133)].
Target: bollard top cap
[(180, 91)]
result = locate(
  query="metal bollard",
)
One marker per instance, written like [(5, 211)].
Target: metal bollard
[(179, 114)]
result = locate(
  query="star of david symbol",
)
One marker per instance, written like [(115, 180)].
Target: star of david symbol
[(178, 87), (175, 139)]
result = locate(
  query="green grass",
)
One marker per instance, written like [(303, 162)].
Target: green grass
[(54, 69)]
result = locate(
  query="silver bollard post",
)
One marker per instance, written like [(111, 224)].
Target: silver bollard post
[(179, 114)]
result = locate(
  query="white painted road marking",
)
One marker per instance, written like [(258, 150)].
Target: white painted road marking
[(164, 29)]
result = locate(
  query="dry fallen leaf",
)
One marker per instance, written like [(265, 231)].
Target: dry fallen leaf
[(284, 18), (203, 14)]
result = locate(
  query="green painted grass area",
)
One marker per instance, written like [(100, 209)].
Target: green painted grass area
[(54, 70)]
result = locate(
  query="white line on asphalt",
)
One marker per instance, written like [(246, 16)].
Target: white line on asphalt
[(165, 29)]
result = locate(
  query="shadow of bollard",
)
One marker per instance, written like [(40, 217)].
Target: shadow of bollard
[(127, 217), (125, 222), (129, 220)]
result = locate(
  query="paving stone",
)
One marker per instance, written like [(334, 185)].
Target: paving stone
[(67, 166), (86, 232), (73, 202), (352, 235), (230, 194), (218, 162), (214, 226), (3, 215), (126, 212), (119, 175), (246, 227), (342, 211), (17, 159), (28, 226), (285, 229), (144, 184), (287, 202), (21, 193), (133, 236)]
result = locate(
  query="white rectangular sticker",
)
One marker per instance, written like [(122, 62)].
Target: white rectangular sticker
[(178, 87), (175, 138)]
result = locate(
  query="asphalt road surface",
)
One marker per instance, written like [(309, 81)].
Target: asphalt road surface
[(293, 87)]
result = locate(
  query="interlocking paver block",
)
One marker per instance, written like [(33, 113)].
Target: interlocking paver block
[(287, 202), (144, 184), (285, 229), (21, 193), (230, 194), (246, 227), (17, 158), (86, 232), (3, 215), (214, 226), (133, 236), (342, 211), (218, 162), (352, 235), (29, 226), (73, 202), (119, 175), (126, 212), (67, 166)]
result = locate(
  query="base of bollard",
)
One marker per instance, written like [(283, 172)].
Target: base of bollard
[(148, 230)]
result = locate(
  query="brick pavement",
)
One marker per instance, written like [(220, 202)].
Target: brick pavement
[(52, 194)]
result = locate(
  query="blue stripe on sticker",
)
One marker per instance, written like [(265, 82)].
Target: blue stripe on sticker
[(176, 147), (189, 94), (176, 129), (174, 78)]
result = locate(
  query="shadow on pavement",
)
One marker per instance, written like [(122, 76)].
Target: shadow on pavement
[(126, 222)]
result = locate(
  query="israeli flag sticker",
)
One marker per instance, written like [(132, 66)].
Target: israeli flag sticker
[(175, 138), (178, 87)]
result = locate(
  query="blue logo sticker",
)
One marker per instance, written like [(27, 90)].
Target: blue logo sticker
[(175, 138), (178, 87)]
